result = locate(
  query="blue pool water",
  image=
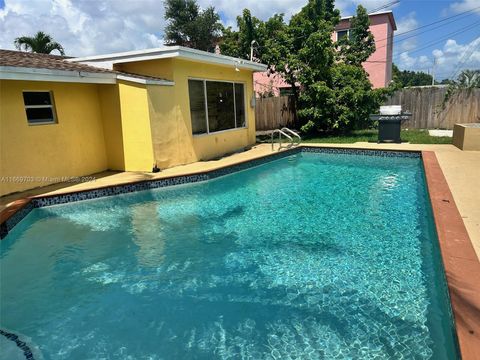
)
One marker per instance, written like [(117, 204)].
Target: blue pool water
[(313, 256)]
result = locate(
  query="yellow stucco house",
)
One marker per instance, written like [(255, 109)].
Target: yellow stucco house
[(65, 117)]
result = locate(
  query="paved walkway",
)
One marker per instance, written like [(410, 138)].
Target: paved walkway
[(436, 132), (461, 169)]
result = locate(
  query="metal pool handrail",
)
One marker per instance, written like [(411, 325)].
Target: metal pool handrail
[(299, 139), (283, 132)]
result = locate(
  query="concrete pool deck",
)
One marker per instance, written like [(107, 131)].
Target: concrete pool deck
[(452, 179)]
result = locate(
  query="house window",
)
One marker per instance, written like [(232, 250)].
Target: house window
[(197, 106), (216, 106), (342, 33), (39, 107)]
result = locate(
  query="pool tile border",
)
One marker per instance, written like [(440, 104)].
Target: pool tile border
[(13, 214), (359, 151), (22, 345), (462, 267)]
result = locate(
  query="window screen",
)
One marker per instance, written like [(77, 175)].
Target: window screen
[(240, 105), (39, 107), (221, 115), (341, 34), (197, 106), (216, 106)]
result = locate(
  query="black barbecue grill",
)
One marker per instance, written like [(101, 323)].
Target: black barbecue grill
[(390, 122)]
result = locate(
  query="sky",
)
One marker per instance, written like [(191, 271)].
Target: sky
[(93, 27)]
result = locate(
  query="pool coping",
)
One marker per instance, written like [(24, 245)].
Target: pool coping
[(460, 262), (458, 255)]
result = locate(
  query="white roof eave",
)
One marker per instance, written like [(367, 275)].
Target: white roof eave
[(170, 52), (37, 74), (145, 81)]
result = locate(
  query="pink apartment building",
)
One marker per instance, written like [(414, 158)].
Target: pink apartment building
[(378, 65)]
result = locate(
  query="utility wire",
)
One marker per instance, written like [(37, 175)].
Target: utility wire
[(438, 21), (385, 6), (469, 12), (395, 36), (423, 32), (464, 29), (456, 17), (380, 47), (371, 12), (466, 56)]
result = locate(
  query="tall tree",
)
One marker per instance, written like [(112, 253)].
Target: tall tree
[(190, 26), (331, 90), (230, 44), (356, 48), (410, 78), (302, 53), (248, 31), (336, 92), (238, 43), (39, 43)]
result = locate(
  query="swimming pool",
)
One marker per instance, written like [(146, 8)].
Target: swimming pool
[(309, 256)]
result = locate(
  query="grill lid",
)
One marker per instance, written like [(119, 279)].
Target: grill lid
[(391, 110)]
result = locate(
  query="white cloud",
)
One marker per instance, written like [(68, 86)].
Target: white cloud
[(451, 59), (437, 53), (85, 27), (465, 5), (406, 23), (406, 62), (451, 47), (264, 9), (88, 27), (424, 62)]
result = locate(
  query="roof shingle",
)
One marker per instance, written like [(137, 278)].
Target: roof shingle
[(44, 61), (55, 62)]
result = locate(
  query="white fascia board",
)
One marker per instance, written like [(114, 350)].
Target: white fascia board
[(145, 81), (205, 57), (170, 52), (33, 74), (163, 52), (107, 65), (381, 12), (371, 14)]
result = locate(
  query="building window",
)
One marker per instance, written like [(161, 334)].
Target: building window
[(287, 91), (342, 34), (39, 107), (216, 106), (240, 117), (197, 106)]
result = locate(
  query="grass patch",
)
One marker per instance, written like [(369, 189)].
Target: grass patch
[(411, 136)]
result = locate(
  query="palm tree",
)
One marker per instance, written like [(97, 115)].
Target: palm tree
[(469, 79), (39, 43)]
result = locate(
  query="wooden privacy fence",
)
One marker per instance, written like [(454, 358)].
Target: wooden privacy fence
[(427, 105), (430, 111), (274, 112)]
